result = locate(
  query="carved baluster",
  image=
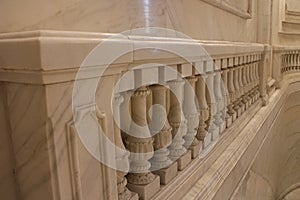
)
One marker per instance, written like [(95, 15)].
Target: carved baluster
[(245, 84), (252, 91), (140, 144), (256, 94), (231, 90), (178, 123), (241, 86), (256, 80), (219, 101), (225, 116), (161, 129), (247, 71), (203, 110), (192, 116), (121, 157), (213, 130), (237, 92)]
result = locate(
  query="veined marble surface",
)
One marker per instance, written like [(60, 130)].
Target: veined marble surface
[(195, 18)]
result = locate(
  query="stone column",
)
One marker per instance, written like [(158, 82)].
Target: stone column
[(203, 110), (219, 101), (192, 116), (140, 145), (161, 164), (178, 123), (213, 130), (231, 90), (121, 157)]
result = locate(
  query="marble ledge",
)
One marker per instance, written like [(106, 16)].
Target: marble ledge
[(35, 50)]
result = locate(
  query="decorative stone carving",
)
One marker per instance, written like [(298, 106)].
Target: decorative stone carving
[(241, 86), (213, 130), (140, 144), (161, 163), (192, 116), (225, 115), (219, 102), (203, 107), (121, 160), (231, 90), (237, 92), (178, 123)]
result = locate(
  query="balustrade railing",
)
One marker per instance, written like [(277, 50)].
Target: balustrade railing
[(290, 61), (199, 108)]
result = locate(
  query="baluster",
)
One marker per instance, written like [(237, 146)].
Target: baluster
[(213, 130), (219, 101), (247, 71), (161, 163), (202, 134), (237, 92), (140, 145), (226, 96), (192, 116), (244, 80), (241, 86), (231, 90), (252, 91), (257, 94), (178, 123), (121, 158)]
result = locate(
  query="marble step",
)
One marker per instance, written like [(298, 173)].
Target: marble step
[(289, 26)]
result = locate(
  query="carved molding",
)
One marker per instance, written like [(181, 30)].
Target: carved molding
[(231, 6), (72, 145)]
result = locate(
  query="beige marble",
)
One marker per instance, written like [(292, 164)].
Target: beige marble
[(115, 16), (255, 156)]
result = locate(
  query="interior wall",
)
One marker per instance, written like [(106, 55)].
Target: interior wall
[(195, 18)]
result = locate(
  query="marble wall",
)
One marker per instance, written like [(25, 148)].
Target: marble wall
[(8, 186), (196, 18)]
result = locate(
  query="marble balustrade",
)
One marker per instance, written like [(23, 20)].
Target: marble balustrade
[(182, 116), (290, 61), (199, 108)]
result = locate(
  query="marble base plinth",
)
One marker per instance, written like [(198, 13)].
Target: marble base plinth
[(147, 191), (195, 149), (167, 174), (238, 112), (216, 134), (247, 105), (243, 108), (128, 195), (207, 140), (222, 127), (228, 121), (184, 160), (234, 116)]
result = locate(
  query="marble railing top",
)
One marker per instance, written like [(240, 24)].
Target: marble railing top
[(44, 53), (285, 48)]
